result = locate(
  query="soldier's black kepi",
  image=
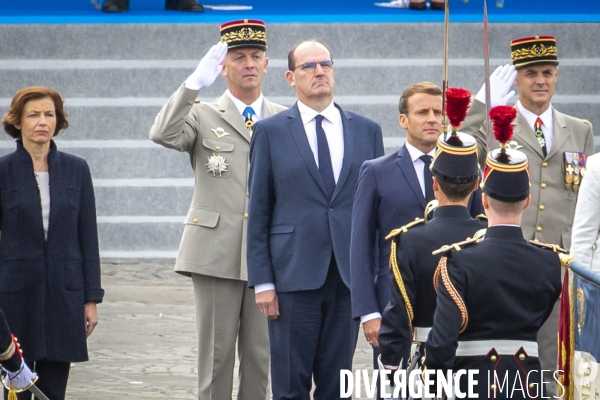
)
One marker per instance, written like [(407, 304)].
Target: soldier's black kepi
[(506, 175), (455, 161), (533, 50), (244, 33)]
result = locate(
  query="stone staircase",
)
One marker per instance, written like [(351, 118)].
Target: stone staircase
[(115, 78)]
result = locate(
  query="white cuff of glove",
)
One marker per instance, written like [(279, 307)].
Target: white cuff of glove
[(21, 378)]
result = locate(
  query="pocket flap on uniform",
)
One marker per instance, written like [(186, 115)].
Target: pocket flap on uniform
[(202, 217), (281, 229), (217, 145)]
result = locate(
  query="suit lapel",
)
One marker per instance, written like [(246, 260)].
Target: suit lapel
[(231, 115), (408, 169), (561, 133), (525, 135), (299, 134), (349, 138)]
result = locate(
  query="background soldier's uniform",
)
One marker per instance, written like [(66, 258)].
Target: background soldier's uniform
[(508, 287), (417, 265)]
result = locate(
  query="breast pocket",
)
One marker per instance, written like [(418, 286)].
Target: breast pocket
[(11, 199), (219, 151)]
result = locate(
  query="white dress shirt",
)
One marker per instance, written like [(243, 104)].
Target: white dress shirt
[(241, 106), (43, 182), (418, 164), (547, 126), (334, 132)]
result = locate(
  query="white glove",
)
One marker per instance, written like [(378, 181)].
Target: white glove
[(208, 68), (21, 379), (501, 80)]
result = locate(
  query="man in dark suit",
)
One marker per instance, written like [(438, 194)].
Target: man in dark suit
[(303, 174), (392, 191), (409, 314), (495, 294)]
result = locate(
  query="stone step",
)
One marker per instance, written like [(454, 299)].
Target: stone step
[(130, 119), (353, 77), (347, 40)]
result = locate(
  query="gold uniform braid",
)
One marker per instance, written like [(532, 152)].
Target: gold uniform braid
[(400, 283)]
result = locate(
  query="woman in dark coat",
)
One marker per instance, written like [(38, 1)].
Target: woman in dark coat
[(49, 259)]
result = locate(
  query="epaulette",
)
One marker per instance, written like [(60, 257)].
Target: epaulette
[(482, 216), (555, 248), (197, 101), (477, 237), (404, 228), (585, 121)]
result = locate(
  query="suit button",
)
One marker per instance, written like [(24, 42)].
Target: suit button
[(493, 358), (246, 215), (543, 185), (521, 356), (331, 209), (195, 220), (539, 229), (217, 148), (544, 164), (247, 194), (594, 247), (542, 207)]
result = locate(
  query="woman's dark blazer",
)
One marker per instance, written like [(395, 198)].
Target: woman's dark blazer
[(44, 284)]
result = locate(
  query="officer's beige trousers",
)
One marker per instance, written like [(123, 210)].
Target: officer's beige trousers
[(225, 307)]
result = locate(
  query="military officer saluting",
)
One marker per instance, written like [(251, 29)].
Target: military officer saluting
[(555, 144), (494, 294), (409, 314)]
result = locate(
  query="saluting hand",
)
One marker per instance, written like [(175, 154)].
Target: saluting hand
[(268, 303), (208, 68), (501, 80)]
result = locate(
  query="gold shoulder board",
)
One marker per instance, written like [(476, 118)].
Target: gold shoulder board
[(197, 101), (555, 248), (477, 237), (585, 121), (404, 228), (482, 216)]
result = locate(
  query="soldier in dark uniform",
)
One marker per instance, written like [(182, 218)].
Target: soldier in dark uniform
[(11, 359), (409, 315), (494, 294)]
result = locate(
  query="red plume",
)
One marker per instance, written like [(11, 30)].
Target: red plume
[(457, 104), (503, 117)]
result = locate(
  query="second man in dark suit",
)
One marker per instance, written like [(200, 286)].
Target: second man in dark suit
[(303, 174)]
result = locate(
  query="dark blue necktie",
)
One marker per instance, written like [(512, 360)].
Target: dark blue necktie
[(325, 167), (427, 178)]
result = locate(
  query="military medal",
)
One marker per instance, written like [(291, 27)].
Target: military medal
[(574, 170), (249, 125), (219, 132), (216, 164)]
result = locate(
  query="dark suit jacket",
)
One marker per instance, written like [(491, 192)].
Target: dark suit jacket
[(388, 196), (293, 227), (450, 224), (509, 288), (44, 284)]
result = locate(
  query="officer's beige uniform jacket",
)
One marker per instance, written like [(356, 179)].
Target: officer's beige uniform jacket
[(214, 236), (550, 215)]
